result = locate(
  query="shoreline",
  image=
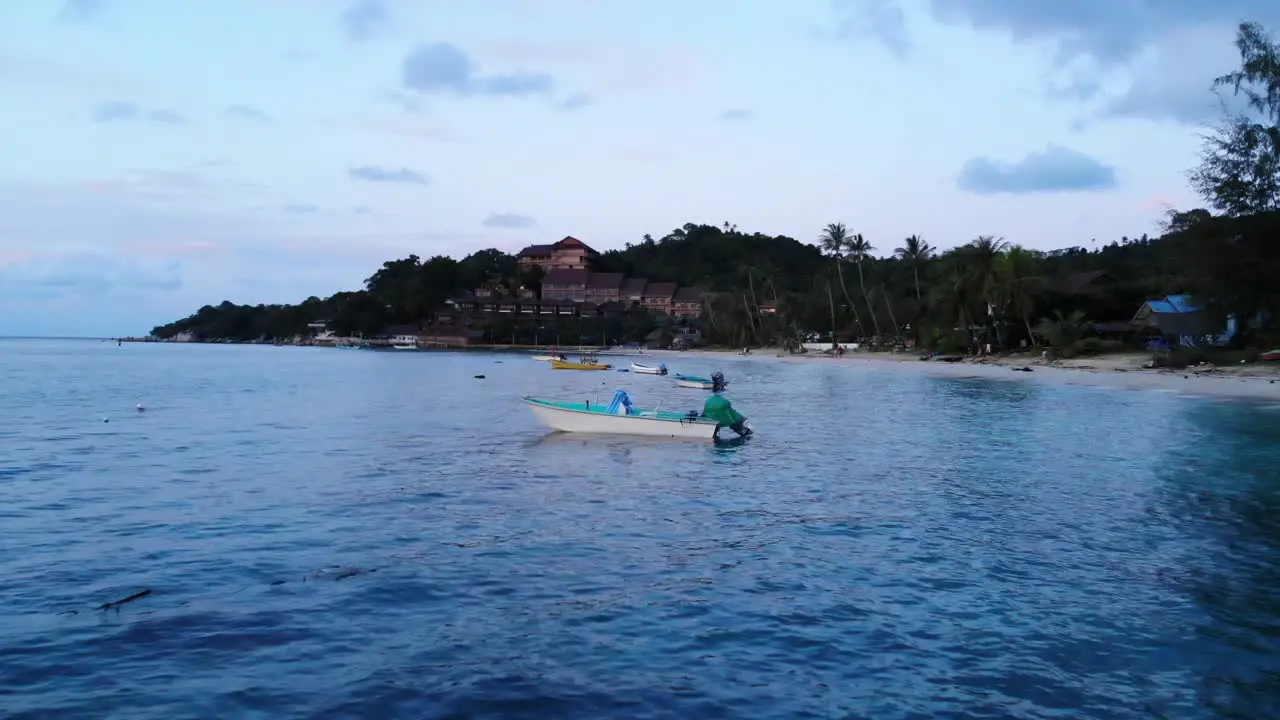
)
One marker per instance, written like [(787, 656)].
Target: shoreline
[(1252, 381), (1256, 381)]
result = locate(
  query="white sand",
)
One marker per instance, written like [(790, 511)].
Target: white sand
[(1259, 381)]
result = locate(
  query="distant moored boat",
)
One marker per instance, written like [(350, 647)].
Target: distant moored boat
[(586, 363), (715, 382), (660, 369)]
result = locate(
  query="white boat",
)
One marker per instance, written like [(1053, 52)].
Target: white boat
[(620, 417), (715, 382), (546, 358), (660, 369), (404, 347)]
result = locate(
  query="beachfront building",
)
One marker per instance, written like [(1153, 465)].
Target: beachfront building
[(566, 284), (449, 338), (403, 334), (592, 294), (657, 297), (632, 291), (1173, 316), (686, 303), (320, 333), (570, 291), (603, 287), (498, 292)]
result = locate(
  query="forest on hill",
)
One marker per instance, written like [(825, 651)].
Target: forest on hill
[(1226, 256), (839, 282)]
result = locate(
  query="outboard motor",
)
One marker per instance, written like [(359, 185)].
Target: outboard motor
[(718, 382), (718, 408)]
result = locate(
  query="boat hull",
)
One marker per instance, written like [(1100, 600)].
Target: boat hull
[(698, 382), (564, 365), (545, 358), (647, 369), (576, 418)]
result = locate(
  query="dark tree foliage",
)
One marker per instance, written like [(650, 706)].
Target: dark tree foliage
[(763, 289), (1239, 169)]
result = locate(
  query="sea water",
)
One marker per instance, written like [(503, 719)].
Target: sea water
[(381, 534)]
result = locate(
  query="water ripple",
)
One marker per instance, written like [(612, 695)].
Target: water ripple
[(330, 534)]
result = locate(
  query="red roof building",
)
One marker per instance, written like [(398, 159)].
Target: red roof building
[(569, 253)]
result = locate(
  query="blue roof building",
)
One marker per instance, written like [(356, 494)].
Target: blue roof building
[(1174, 315)]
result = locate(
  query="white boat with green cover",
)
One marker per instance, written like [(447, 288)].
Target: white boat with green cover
[(716, 382), (620, 417)]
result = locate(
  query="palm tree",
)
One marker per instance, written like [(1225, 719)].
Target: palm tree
[(753, 309), (833, 241), (859, 249), (888, 303), (832, 301), (1018, 268), (916, 250), (983, 255), (1063, 330), (949, 295)]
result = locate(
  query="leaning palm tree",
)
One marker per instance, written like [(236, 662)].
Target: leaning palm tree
[(860, 250), (833, 241), (916, 250), (888, 303), (830, 299)]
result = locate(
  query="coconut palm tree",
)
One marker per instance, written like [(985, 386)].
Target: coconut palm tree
[(950, 297), (983, 269), (1061, 331), (888, 303), (832, 301), (1019, 270), (858, 248), (915, 250), (833, 241)]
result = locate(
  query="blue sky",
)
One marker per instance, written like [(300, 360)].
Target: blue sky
[(162, 155)]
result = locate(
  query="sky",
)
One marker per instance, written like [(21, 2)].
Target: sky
[(160, 155)]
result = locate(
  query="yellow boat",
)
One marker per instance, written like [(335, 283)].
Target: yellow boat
[(584, 365)]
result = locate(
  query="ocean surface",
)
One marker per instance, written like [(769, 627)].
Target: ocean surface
[(356, 534)]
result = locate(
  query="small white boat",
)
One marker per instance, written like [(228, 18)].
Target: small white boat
[(660, 369), (620, 417), (715, 382), (404, 347), (546, 358)]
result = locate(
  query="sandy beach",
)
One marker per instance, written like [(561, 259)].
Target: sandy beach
[(1257, 381)]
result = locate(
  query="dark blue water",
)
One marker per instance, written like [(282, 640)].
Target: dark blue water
[(332, 534)]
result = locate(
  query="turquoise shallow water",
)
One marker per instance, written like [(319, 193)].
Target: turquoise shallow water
[(333, 534)]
